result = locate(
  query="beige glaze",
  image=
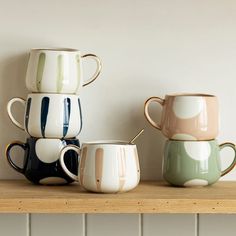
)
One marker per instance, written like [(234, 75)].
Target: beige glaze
[(201, 126)]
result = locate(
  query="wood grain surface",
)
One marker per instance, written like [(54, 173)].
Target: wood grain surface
[(20, 196)]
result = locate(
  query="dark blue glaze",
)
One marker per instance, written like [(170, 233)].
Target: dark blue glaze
[(44, 114), (35, 170), (27, 113), (80, 113), (66, 119)]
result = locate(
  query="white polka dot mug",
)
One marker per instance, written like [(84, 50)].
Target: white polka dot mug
[(194, 163), (187, 116), (105, 166), (58, 70), (40, 162)]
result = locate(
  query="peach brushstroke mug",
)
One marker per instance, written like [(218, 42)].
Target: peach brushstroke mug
[(105, 166), (186, 116)]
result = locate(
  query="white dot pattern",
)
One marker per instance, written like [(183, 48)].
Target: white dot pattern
[(188, 107), (198, 151), (196, 182), (53, 180)]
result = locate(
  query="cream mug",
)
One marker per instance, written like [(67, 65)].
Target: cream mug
[(105, 166), (49, 115), (58, 70), (186, 116)]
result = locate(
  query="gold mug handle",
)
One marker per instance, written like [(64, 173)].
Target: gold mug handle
[(146, 112), (98, 70), (232, 165)]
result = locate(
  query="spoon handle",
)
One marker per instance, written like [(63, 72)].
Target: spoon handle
[(136, 136)]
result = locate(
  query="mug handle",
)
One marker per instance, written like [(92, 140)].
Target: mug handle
[(146, 112), (8, 156), (98, 70), (231, 145), (62, 162), (9, 105)]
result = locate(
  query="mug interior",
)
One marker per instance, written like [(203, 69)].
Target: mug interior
[(191, 141), (108, 142)]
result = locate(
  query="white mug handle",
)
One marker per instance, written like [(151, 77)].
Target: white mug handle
[(62, 162), (9, 105), (98, 70)]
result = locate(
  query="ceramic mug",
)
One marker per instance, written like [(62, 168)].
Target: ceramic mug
[(194, 163), (49, 115), (186, 116), (105, 167), (58, 70), (41, 160)]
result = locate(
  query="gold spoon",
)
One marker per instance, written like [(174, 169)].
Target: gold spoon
[(136, 136)]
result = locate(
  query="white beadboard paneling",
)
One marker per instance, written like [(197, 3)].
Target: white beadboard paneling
[(56, 224), (112, 224), (217, 225), (13, 225), (169, 224)]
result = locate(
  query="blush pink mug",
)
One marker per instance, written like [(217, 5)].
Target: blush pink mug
[(187, 116)]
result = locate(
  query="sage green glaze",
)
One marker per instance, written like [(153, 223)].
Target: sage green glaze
[(40, 69), (60, 73), (179, 167)]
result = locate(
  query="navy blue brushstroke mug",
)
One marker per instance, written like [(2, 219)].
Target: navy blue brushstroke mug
[(49, 115), (41, 160)]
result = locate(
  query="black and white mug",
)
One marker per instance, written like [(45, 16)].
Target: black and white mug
[(41, 160), (49, 115)]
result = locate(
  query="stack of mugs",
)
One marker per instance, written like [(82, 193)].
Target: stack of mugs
[(191, 154), (53, 116)]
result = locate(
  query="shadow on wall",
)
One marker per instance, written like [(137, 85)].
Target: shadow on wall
[(12, 84), (150, 146)]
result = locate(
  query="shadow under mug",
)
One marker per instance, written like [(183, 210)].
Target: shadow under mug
[(58, 70), (49, 115), (107, 166), (194, 163), (186, 116), (41, 160)]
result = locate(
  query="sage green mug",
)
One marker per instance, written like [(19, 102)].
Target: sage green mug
[(194, 163)]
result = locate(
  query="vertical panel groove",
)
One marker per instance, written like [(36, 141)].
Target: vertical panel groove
[(28, 224), (196, 224), (84, 217), (140, 224)]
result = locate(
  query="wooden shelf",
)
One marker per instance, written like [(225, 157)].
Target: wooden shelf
[(19, 196)]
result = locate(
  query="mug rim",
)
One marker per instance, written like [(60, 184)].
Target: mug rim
[(191, 95), (56, 49), (53, 94), (108, 142), (61, 139), (191, 141)]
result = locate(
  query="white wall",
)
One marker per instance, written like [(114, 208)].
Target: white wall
[(150, 47)]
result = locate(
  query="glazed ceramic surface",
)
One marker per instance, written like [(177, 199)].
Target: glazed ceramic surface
[(49, 115), (58, 71), (194, 163), (187, 116), (41, 160), (106, 167)]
